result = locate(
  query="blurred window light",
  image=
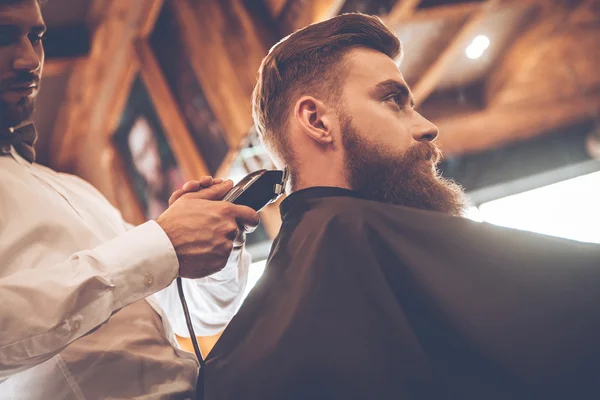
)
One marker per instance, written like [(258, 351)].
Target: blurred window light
[(477, 47), (569, 209), (255, 272)]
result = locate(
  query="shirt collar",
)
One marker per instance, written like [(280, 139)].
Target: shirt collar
[(298, 202), (9, 151)]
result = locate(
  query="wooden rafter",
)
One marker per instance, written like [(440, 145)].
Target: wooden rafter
[(432, 13), (227, 85), (529, 46), (298, 14), (275, 7), (433, 74), (496, 126), (184, 149), (59, 66), (92, 86), (402, 10), (99, 86)]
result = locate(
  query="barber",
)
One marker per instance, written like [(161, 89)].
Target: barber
[(87, 303)]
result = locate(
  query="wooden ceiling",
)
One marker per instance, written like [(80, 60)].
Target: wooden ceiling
[(538, 73)]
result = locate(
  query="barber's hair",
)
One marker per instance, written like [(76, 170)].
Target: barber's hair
[(309, 62)]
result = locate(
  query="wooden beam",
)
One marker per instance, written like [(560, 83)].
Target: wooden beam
[(122, 195), (402, 10), (187, 155), (92, 87), (225, 60), (451, 11), (432, 75), (275, 7), (496, 126), (531, 44), (59, 66), (298, 13)]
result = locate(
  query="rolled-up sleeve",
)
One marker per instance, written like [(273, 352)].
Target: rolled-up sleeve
[(212, 301), (78, 295)]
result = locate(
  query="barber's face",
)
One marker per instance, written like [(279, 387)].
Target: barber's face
[(21, 60), (389, 154)]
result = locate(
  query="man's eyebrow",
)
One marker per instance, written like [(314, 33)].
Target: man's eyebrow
[(392, 85)]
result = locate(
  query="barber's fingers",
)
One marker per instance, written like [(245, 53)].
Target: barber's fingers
[(245, 216), (175, 195), (204, 182), (215, 192), (194, 186)]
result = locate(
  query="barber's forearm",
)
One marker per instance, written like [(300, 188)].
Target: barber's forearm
[(44, 309)]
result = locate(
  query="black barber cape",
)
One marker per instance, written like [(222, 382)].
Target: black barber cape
[(364, 300)]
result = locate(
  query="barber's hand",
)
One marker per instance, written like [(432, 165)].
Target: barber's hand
[(202, 184), (194, 186), (202, 229)]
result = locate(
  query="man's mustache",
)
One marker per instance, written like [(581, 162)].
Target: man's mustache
[(426, 151), (20, 79)]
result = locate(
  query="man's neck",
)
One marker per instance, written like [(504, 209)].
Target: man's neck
[(325, 180)]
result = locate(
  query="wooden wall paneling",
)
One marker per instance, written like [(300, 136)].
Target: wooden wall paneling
[(188, 157)]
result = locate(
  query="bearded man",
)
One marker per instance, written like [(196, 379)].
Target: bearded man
[(376, 287)]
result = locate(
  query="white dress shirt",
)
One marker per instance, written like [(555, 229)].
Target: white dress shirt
[(68, 262)]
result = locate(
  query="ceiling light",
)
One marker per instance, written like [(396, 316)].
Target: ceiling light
[(477, 47)]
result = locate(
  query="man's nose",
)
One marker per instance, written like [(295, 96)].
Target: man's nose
[(424, 130), (27, 59)]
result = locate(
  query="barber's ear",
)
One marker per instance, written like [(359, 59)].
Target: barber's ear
[(315, 118)]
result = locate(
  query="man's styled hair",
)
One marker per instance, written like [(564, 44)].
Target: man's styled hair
[(309, 61)]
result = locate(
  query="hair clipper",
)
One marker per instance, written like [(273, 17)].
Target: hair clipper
[(258, 189)]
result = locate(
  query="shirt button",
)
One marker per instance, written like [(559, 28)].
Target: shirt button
[(149, 279), (76, 326), (6, 150)]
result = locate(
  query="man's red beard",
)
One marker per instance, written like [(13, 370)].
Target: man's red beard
[(410, 179)]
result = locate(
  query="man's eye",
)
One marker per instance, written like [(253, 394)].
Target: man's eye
[(396, 99)]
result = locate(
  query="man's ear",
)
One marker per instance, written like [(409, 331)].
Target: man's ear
[(315, 119)]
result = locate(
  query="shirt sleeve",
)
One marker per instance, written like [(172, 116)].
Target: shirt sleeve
[(78, 295), (212, 301)]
